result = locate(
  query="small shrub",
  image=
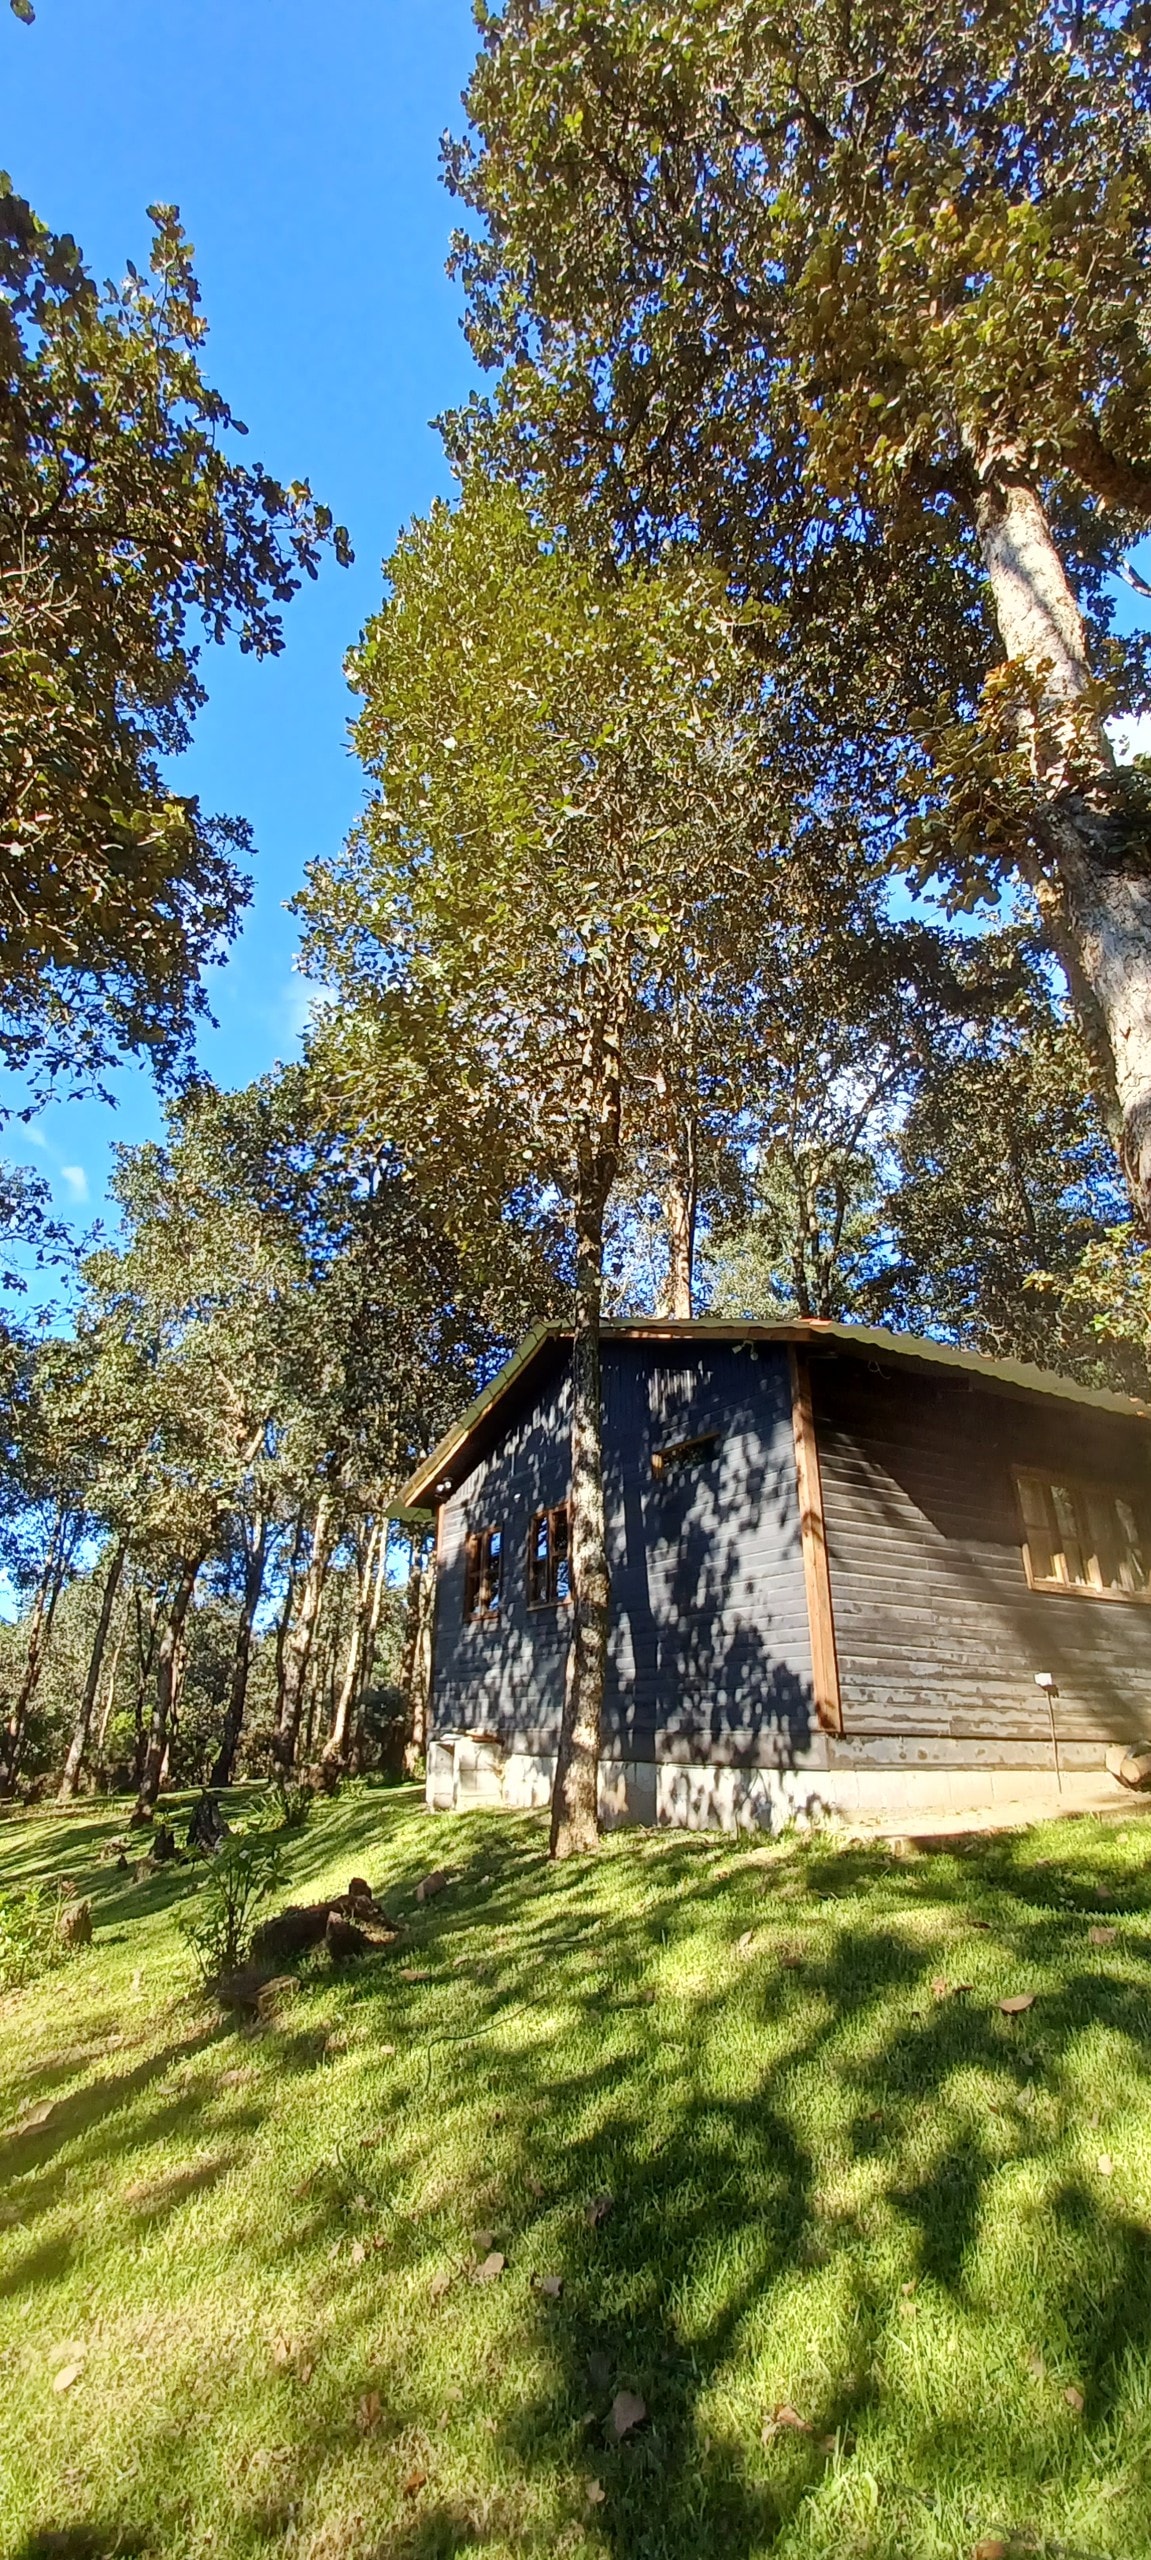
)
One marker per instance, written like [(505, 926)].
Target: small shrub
[(294, 1802), (30, 1936), (239, 1879)]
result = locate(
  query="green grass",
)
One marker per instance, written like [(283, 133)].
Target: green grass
[(834, 2190)]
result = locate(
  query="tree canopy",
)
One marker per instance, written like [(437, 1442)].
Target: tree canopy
[(857, 300), (130, 531)]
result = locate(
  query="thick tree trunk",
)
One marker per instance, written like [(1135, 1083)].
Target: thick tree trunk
[(83, 1726), (416, 1668), (254, 1563), (61, 1548), (680, 1211), (575, 1795), (167, 1687), (1091, 876), (298, 1644)]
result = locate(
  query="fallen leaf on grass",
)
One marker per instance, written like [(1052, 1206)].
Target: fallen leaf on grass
[(369, 2412), (416, 2480), (598, 2208), (746, 1944), (783, 2420), (415, 1973), (439, 2284), (482, 2240), (940, 1987), (596, 2492), (992, 2547), (1017, 2003), (1106, 2165), (357, 2253), (1036, 2367), (68, 2374), (493, 2266), (551, 2285), (627, 2411), (35, 2117), (285, 2350), (1074, 2398), (432, 1884), (1100, 1937)]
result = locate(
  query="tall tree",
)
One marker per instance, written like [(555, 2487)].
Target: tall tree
[(128, 529), (856, 296), (554, 864)]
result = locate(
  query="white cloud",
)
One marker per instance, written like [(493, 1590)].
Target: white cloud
[(76, 1179), (298, 998)]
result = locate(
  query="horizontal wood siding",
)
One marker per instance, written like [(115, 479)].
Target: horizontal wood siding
[(938, 1635), (709, 1655)]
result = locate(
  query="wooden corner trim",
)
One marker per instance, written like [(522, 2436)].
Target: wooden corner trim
[(813, 1539)]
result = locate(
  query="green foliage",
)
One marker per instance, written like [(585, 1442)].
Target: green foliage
[(128, 528), (236, 1881), (30, 1941), (295, 1802)]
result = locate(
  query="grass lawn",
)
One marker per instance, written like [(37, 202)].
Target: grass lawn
[(877, 2258)]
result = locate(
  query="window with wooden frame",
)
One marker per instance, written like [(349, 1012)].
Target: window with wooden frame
[(549, 1558), (484, 1573), (1094, 1539), (682, 1454)]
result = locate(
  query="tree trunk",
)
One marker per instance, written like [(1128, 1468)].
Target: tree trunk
[(1090, 869), (61, 1548), (336, 1746), (79, 1742), (416, 1671), (110, 1691), (254, 1563), (680, 1211), (298, 1645), (167, 1675), (575, 1795)]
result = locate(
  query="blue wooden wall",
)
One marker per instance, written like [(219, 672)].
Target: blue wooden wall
[(710, 1654)]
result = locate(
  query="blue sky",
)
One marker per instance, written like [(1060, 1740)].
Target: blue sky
[(301, 145)]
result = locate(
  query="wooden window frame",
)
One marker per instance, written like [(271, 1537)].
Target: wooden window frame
[(1050, 1585), (550, 1598), (482, 1593), (813, 1542), (681, 1454)]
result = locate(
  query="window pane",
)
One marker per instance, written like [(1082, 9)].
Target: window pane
[(1132, 1555), (1069, 1553), (561, 1560), (495, 1542), (1036, 1521), (1102, 1541)]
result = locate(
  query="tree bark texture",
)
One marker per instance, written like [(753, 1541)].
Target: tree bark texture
[(298, 1645), (336, 1747), (575, 1794), (254, 1562), (416, 1669), (79, 1743), (61, 1548), (168, 1660), (1090, 873), (680, 1211)]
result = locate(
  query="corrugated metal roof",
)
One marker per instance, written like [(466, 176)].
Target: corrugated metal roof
[(451, 1459)]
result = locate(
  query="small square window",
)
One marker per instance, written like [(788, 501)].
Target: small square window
[(684, 1454), (483, 1581), (549, 1558), (1089, 1538)]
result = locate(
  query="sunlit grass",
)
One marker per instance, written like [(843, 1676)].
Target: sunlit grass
[(845, 2191)]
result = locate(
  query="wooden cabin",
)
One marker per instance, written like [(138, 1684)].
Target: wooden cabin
[(854, 1575)]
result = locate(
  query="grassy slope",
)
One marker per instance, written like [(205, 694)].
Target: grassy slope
[(832, 2189)]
